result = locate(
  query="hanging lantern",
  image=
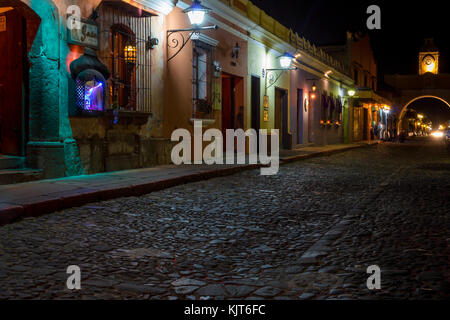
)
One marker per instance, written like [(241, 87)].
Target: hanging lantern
[(129, 53), (196, 12), (286, 60)]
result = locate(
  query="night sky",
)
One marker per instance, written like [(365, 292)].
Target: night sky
[(404, 26)]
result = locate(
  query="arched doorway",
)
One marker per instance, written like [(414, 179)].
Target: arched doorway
[(18, 27), (411, 101)]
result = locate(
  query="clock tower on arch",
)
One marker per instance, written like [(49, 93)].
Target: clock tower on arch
[(429, 58)]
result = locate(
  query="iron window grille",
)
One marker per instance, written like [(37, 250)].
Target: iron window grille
[(129, 87), (202, 79)]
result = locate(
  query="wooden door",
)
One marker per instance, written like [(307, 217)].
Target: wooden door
[(299, 116), (227, 101), (284, 121), (310, 121), (281, 115), (278, 102), (12, 48), (256, 102)]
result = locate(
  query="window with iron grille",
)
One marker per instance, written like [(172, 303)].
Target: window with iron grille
[(202, 79), (123, 26)]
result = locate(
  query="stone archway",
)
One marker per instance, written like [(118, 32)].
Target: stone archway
[(410, 88), (411, 100)]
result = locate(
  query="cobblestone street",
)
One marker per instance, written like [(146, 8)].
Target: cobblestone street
[(309, 232)]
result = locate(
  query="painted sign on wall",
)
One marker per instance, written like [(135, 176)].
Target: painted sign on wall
[(86, 35)]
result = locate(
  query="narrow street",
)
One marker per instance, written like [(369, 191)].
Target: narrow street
[(309, 232)]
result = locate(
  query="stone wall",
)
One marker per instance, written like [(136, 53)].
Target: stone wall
[(105, 146)]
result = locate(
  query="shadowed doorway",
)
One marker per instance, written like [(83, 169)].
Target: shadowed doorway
[(232, 103), (281, 116), (13, 82)]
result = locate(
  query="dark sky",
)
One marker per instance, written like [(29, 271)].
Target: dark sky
[(404, 25)]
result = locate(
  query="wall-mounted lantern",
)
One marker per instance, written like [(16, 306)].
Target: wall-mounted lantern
[(312, 92), (196, 13), (217, 69), (129, 54), (235, 51), (351, 92), (286, 60), (151, 43), (285, 63)]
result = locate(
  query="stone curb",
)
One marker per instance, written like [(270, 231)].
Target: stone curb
[(11, 213), (316, 154)]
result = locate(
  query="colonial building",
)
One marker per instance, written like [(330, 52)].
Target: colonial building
[(99, 85), (369, 115), (81, 104), (304, 99)]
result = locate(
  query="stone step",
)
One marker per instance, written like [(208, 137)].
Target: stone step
[(10, 176), (11, 162)]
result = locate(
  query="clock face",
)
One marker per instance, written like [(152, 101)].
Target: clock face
[(429, 63), (428, 60)]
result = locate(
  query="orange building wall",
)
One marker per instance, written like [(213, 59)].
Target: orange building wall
[(178, 93)]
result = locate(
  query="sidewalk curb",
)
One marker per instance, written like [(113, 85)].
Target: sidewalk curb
[(10, 213), (317, 154)]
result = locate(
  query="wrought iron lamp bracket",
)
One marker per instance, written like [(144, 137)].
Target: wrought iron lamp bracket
[(179, 44), (269, 71)]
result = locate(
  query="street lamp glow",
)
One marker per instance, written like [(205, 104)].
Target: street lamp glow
[(286, 60), (351, 92), (420, 116), (196, 12), (437, 134)]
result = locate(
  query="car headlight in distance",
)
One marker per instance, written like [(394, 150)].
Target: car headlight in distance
[(437, 134)]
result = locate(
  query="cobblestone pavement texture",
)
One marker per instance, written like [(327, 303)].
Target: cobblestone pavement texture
[(309, 232)]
